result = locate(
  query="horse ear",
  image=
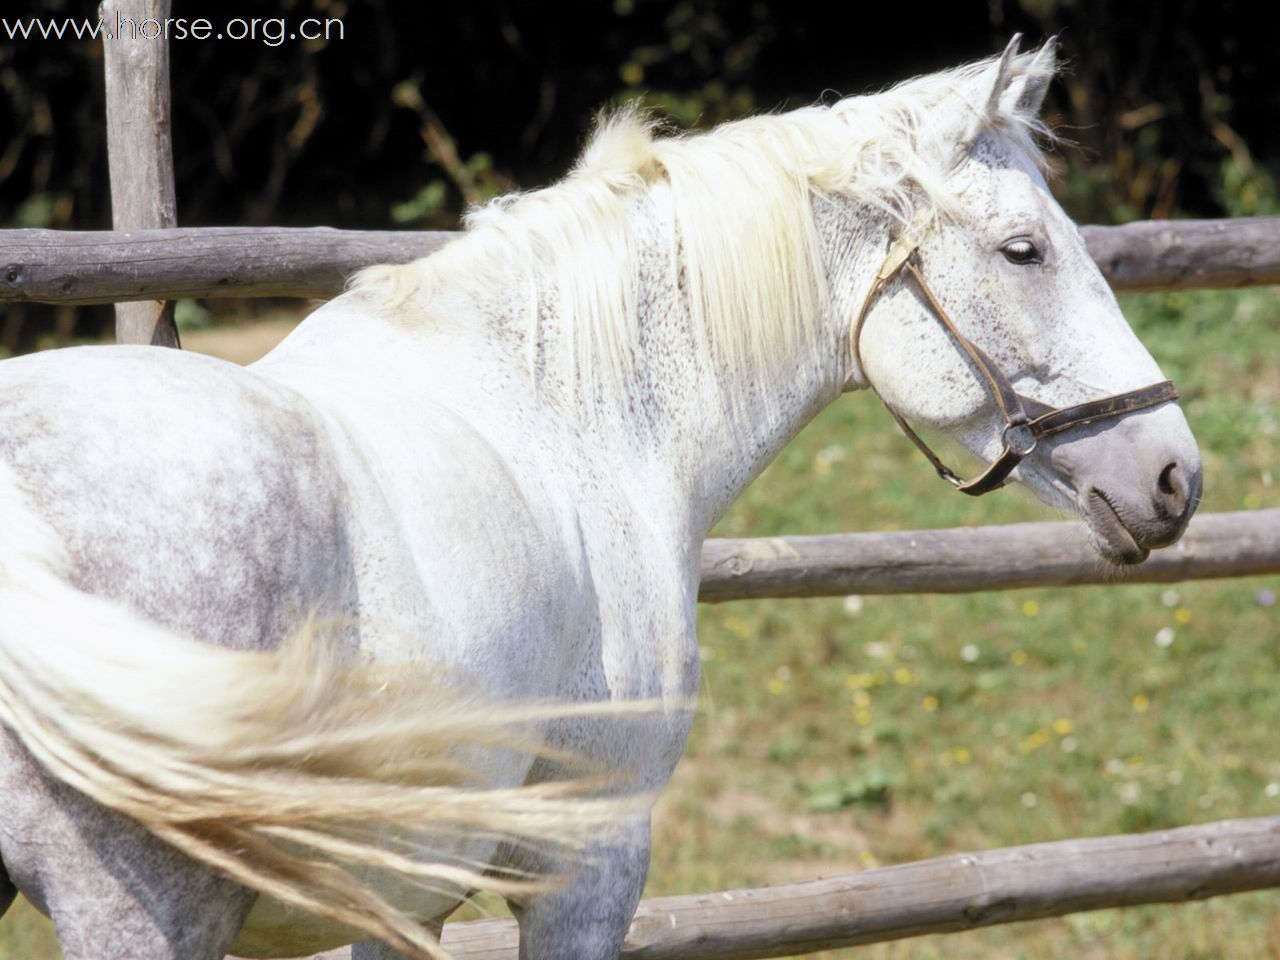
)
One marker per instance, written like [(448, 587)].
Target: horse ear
[(1000, 82), (1010, 89), (1025, 94), (992, 85)]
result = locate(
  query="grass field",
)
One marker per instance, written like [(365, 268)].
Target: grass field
[(843, 733)]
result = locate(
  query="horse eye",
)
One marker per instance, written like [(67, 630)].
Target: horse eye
[(1021, 251)]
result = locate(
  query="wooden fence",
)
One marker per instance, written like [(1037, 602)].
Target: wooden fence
[(147, 261), (971, 559), (104, 266), (960, 892)]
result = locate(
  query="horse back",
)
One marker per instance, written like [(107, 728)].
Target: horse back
[(200, 495)]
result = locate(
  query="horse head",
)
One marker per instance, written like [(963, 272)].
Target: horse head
[(988, 299)]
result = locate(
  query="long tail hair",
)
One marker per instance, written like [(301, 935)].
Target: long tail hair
[(286, 771)]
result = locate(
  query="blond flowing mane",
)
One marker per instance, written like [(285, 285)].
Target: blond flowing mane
[(745, 249)]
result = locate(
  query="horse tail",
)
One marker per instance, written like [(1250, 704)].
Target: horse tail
[(288, 771)]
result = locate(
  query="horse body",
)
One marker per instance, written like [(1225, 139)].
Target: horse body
[(504, 461), (362, 473), (535, 568)]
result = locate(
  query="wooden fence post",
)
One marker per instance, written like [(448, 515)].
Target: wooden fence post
[(139, 145)]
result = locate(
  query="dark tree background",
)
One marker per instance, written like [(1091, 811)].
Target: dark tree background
[(424, 107)]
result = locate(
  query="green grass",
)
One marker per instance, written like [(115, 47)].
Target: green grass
[(837, 734), (847, 732)]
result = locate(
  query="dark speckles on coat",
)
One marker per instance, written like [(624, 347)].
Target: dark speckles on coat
[(223, 520)]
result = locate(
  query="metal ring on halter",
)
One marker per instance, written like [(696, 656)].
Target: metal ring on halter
[(1019, 451)]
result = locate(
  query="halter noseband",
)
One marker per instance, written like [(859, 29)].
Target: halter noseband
[(1025, 420)]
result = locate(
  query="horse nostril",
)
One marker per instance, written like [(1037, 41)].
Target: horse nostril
[(1174, 498)]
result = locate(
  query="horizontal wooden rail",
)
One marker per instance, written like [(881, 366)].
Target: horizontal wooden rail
[(74, 267), (970, 559), (84, 267), (1188, 254), (946, 895)]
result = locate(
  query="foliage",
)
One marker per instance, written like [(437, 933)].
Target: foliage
[(337, 131), (190, 315), (421, 110), (1245, 189)]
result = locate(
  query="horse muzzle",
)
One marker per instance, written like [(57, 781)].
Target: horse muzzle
[(1137, 497)]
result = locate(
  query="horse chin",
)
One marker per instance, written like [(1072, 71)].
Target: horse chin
[(1112, 539)]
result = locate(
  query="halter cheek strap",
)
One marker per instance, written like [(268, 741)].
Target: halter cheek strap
[(1025, 420)]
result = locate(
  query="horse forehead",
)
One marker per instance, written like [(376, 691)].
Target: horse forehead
[(998, 176)]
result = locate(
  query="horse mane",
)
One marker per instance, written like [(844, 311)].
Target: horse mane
[(745, 249)]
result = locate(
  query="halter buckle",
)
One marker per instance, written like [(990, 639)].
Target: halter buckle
[(899, 254)]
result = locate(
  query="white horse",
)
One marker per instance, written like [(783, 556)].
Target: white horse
[(503, 459)]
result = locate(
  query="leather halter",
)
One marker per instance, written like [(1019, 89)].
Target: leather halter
[(1025, 420)]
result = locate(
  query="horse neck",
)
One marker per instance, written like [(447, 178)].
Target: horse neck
[(697, 434), (690, 435)]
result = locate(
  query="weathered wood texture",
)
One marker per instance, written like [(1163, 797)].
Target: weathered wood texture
[(139, 147), (1188, 254), (946, 895), (970, 559), (101, 267), (82, 267)]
